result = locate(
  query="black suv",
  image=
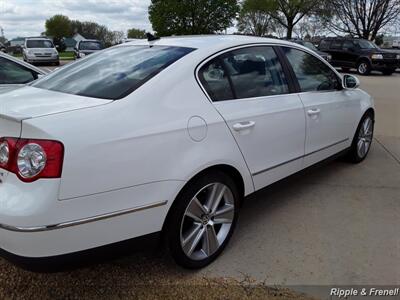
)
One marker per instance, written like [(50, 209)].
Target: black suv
[(361, 54)]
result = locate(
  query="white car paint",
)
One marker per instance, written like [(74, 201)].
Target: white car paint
[(125, 161)]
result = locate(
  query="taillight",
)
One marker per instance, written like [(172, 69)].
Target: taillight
[(31, 159)]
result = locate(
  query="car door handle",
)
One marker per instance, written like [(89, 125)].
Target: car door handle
[(313, 112), (244, 125)]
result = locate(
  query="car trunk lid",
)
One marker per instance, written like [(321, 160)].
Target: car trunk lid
[(29, 102)]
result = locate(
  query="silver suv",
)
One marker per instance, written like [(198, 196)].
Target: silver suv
[(40, 50)]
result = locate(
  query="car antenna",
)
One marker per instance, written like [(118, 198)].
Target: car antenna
[(151, 37)]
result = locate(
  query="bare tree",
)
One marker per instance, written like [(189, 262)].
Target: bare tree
[(362, 18), (289, 12)]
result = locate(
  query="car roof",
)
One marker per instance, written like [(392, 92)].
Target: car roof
[(208, 42), (88, 40), (22, 63), (37, 38)]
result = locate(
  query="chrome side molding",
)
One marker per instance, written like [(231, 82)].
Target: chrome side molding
[(82, 221)]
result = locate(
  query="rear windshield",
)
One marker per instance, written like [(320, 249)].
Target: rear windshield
[(90, 45), (113, 73), (39, 44)]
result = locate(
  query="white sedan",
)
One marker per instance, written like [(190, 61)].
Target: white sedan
[(168, 137)]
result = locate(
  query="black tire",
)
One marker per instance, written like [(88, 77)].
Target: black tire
[(363, 67), (353, 154), (344, 69), (175, 220)]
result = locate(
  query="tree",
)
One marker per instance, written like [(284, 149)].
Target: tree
[(288, 13), (58, 26), (179, 17), (253, 20), (92, 30), (135, 33), (363, 18)]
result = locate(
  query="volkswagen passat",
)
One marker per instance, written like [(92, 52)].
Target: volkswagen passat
[(167, 136)]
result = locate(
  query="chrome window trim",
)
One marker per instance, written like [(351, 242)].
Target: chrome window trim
[(294, 46)]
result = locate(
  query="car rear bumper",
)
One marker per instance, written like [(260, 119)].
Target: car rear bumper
[(34, 223)]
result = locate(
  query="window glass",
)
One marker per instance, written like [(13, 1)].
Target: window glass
[(90, 45), (113, 73), (312, 74), (215, 81), (336, 44), (255, 72), (39, 44), (12, 73), (364, 44), (347, 45), (324, 44)]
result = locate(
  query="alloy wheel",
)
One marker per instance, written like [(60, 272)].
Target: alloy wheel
[(365, 137), (363, 68), (207, 221)]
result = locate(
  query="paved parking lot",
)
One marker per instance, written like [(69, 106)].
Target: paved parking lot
[(336, 224)]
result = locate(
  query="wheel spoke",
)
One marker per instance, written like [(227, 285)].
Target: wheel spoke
[(224, 215), (210, 241), (195, 210), (193, 238), (215, 197)]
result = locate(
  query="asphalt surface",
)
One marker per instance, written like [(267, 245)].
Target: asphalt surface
[(336, 224)]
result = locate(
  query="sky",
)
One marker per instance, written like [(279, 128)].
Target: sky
[(27, 17)]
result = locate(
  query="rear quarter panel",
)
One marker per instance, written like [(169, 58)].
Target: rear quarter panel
[(140, 139)]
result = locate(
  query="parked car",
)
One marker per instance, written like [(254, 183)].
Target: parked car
[(40, 50), (167, 137), (86, 47), (361, 54), (15, 73), (3, 48), (311, 46), (396, 44)]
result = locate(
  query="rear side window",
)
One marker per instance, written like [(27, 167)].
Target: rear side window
[(312, 74), (324, 45), (336, 44), (250, 72), (13, 73), (215, 81), (347, 45), (113, 73)]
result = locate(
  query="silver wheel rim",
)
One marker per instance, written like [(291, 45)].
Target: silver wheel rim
[(207, 221), (365, 137), (362, 68)]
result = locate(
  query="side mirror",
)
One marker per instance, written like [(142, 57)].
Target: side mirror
[(350, 82)]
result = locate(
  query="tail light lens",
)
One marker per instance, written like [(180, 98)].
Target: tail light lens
[(31, 159)]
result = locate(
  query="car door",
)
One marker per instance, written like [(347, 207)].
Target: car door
[(329, 108), (249, 88), (349, 53)]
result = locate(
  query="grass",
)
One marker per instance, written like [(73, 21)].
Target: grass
[(69, 55)]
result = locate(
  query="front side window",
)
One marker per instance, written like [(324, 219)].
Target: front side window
[(364, 44), (39, 44), (312, 73), (13, 73), (89, 45), (113, 73), (244, 73)]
